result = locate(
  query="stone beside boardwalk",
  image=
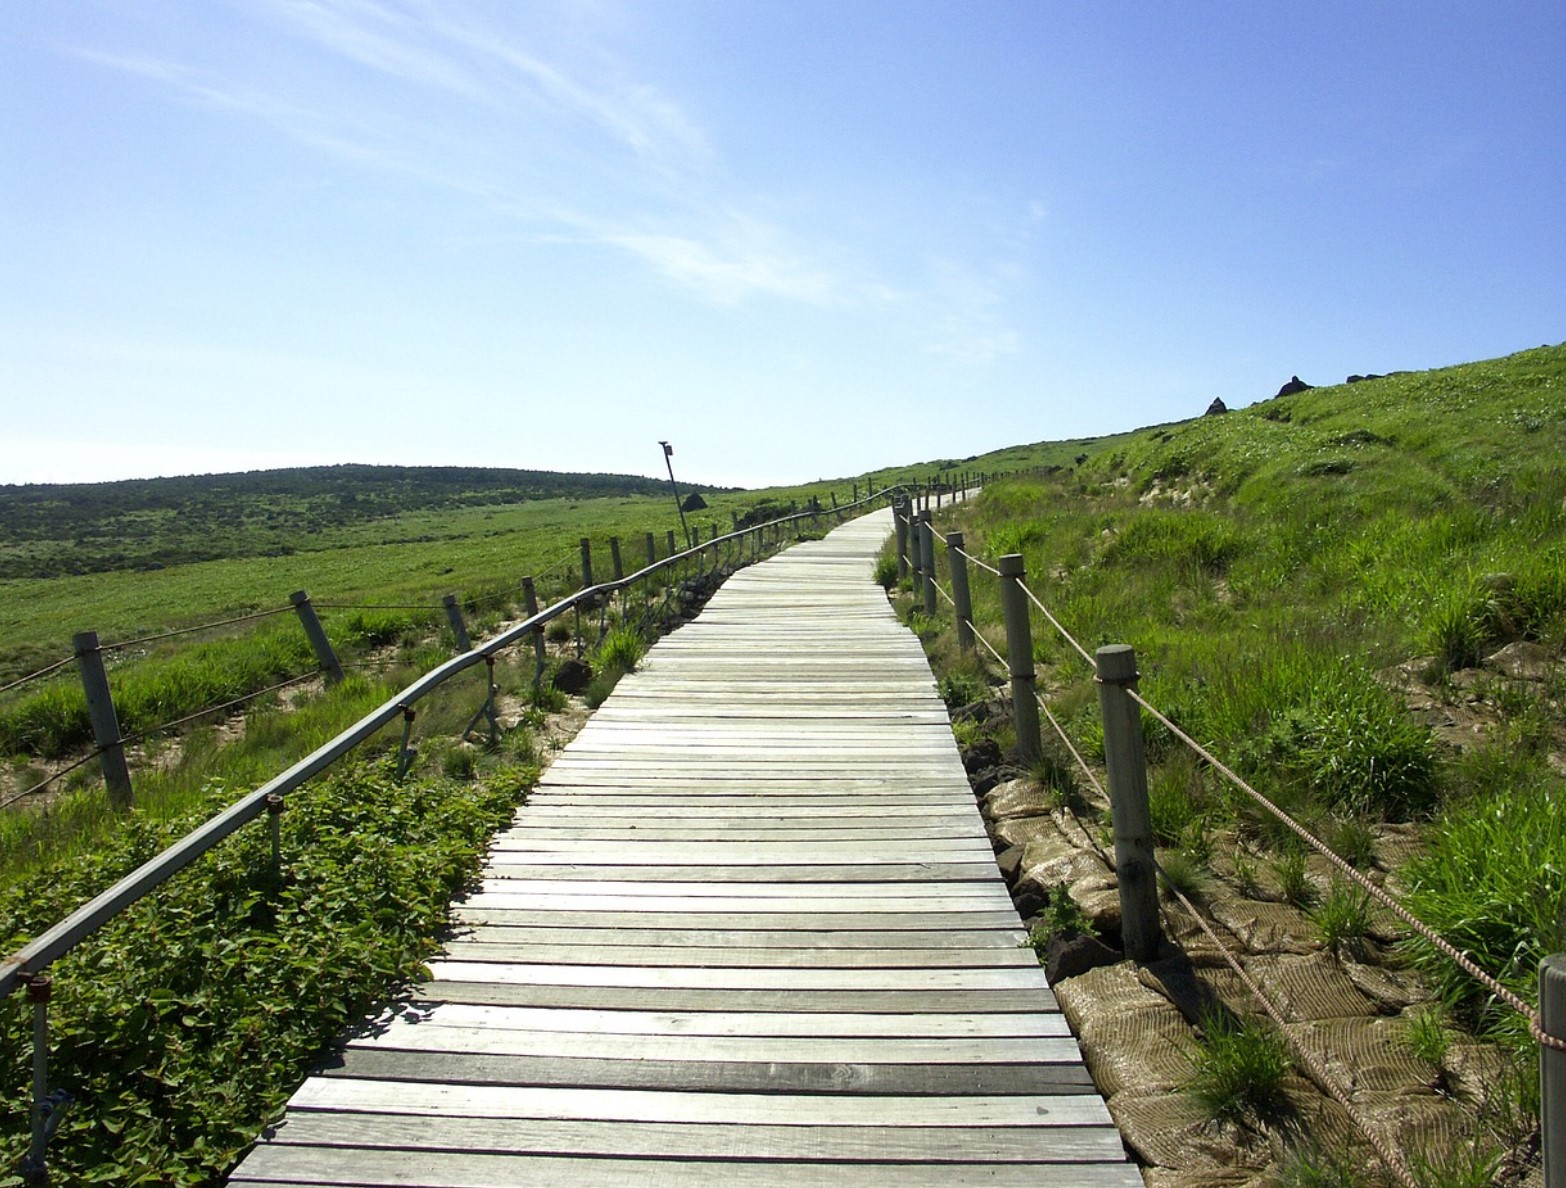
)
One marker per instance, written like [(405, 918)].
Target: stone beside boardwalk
[(748, 930)]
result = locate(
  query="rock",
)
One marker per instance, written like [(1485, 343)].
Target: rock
[(572, 677), (1359, 379), (1014, 798), (982, 754), (1522, 661), (1009, 861), (1295, 384), (1029, 903), (1215, 408), (983, 783), (1071, 954), (694, 502)]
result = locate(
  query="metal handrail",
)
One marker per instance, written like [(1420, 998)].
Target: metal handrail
[(56, 942)]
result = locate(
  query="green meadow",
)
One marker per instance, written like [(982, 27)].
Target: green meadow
[(1355, 596)]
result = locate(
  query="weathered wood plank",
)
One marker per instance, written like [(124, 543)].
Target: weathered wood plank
[(698, 1140), (293, 1165), (1024, 977), (632, 934), (731, 957), (433, 1036), (747, 930), (862, 1109), (733, 1023), (903, 1002), (548, 866), (809, 921)]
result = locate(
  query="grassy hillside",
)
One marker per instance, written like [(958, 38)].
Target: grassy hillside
[(48, 530), (1357, 597)]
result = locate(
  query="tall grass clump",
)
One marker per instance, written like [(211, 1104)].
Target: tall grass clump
[(1239, 1070), (1492, 880)]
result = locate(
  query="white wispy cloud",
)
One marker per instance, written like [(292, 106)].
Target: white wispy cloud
[(567, 144)]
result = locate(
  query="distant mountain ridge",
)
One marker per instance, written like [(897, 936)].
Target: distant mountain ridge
[(47, 529)]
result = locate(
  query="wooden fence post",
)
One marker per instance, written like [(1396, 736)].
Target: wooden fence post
[(652, 549), (1552, 1070), (614, 558), (105, 722), (317, 636), (458, 627), (587, 563), (530, 607), (1126, 765), (671, 542), (900, 520), (927, 561), (962, 603), (1019, 656)]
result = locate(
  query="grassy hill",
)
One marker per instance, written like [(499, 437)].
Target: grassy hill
[(1356, 596), (48, 530)]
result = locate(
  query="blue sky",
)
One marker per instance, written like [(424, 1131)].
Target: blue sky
[(799, 238)]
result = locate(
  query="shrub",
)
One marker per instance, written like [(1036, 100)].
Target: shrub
[(228, 967)]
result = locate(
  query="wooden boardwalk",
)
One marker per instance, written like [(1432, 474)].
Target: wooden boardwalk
[(747, 931)]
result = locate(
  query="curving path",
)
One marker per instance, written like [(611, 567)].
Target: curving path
[(747, 931)]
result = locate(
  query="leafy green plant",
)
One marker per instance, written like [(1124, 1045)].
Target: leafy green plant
[(1062, 916), (1239, 1069), (886, 572), (231, 966), (958, 689)]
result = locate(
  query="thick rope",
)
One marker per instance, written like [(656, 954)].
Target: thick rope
[(142, 639), (1390, 1158), (33, 676), (1456, 955)]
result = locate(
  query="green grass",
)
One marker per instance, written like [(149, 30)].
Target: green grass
[(1272, 567), (233, 966), (1239, 1070)]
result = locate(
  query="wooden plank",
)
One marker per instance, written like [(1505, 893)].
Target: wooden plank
[(713, 957), (735, 1023), (432, 1036), (282, 1164), (809, 921), (696, 1140), (1031, 1078), (545, 866), (991, 892), (632, 934), (903, 1002), (427, 1099), (1021, 978)]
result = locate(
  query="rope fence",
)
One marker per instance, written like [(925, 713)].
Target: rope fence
[(152, 731), (915, 543), (41, 785), (47, 670), (146, 639)]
